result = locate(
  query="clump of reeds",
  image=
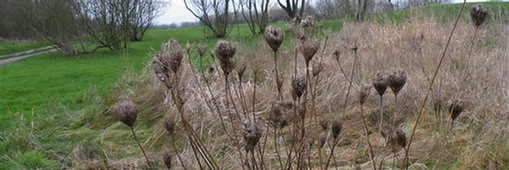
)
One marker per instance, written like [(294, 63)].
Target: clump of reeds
[(126, 112)]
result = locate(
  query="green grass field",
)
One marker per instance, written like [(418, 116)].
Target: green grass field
[(8, 47), (42, 98)]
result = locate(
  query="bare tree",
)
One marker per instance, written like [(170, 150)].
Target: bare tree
[(256, 14), (214, 14), (330, 9), (293, 8)]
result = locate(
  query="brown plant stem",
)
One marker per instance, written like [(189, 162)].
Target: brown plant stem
[(276, 144), (421, 110), (371, 155), (178, 155), (142, 150), (279, 94), (350, 82), (237, 144), (331, 152)]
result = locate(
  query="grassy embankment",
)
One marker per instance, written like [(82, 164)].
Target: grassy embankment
[(51, 103)]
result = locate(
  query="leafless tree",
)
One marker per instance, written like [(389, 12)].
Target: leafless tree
[(293, 8), (213, 14), (256, 14), (330, 9)]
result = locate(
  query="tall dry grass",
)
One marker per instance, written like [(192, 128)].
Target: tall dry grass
[(477, 76)]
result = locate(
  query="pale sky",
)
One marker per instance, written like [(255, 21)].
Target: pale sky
[(176, 12)]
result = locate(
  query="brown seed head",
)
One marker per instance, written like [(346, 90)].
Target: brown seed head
[(167, 159), (380, 83), (324, 123), (278, 111), (169, 125), (241, 69), (225, 49), (396, 80), (317, 68), (478, 14), (400, 138), (225, 52), (251, 132), (309, 50), (336, 127), (274, 37), (126, 112), (171, 55), (455, 108), (299, 84), (202, 49), (307, 22), (364, 93)]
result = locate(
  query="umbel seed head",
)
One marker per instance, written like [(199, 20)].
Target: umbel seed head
[(478, 14), (396, 80), (364, 93), (274, 37), (225, 51), (309, 50), (251, 132), (202, 49), (299, 84), (126, 112), (380, 83), (278, 111), (167, 159), (336, 128), (455, 108), (400, 138), (169, 125), (171, 55)]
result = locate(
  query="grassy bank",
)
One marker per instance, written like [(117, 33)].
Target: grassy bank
[(55, 109)]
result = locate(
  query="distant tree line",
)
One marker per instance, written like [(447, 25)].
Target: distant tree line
[(79, 26)]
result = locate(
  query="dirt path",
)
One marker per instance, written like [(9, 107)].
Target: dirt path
[(5, 59)]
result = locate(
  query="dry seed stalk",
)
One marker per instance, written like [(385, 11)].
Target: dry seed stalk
[(363, 96), (126, 112)]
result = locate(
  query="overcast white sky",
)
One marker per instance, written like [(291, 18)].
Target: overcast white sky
[(176, 12)]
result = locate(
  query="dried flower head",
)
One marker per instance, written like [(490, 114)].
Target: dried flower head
[(278, 111), (171, 55), (251, 132), (299, 84), (241, 69), (202, 49), (380, 83), (478, 14), (169, 125), (400, 138), (324, 123), (126, 112), (225, 52), (396, 80), (317, 68), (309, 50), (455, 108), (364, 93), (336, 127), (307, 21), (274, 37), (167, 159)]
